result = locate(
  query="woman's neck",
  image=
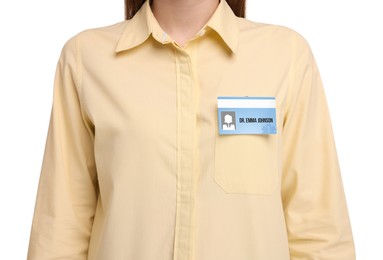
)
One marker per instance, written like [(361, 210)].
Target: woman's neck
[(182, 19)]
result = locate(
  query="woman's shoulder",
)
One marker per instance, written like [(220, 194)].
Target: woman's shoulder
[(107, 31), (276, 31), (96, 38)]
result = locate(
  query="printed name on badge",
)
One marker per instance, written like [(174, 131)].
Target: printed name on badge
[(246, 115)]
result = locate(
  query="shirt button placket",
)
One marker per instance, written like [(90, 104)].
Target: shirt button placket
[(183, 245)]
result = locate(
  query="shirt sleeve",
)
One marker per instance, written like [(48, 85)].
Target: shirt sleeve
[(67, 190), (314, 204)]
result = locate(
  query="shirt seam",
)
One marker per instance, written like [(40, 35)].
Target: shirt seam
[(79, 87), (291, 76)]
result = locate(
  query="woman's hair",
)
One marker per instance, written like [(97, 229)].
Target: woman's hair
[(132, 6)]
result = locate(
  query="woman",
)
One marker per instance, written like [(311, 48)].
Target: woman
[(138, 165)]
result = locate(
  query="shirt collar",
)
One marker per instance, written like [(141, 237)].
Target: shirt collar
[(143, 23)]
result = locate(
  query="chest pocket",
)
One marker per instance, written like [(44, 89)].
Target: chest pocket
[(246, 164)]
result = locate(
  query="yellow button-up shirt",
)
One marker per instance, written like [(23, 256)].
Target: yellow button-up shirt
[(134, 167)]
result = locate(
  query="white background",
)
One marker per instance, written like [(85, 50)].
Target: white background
[(347, 41)]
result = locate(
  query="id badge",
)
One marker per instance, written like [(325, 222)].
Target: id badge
[(246, 115)]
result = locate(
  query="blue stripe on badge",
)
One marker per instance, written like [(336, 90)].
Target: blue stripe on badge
[(247, 97)]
